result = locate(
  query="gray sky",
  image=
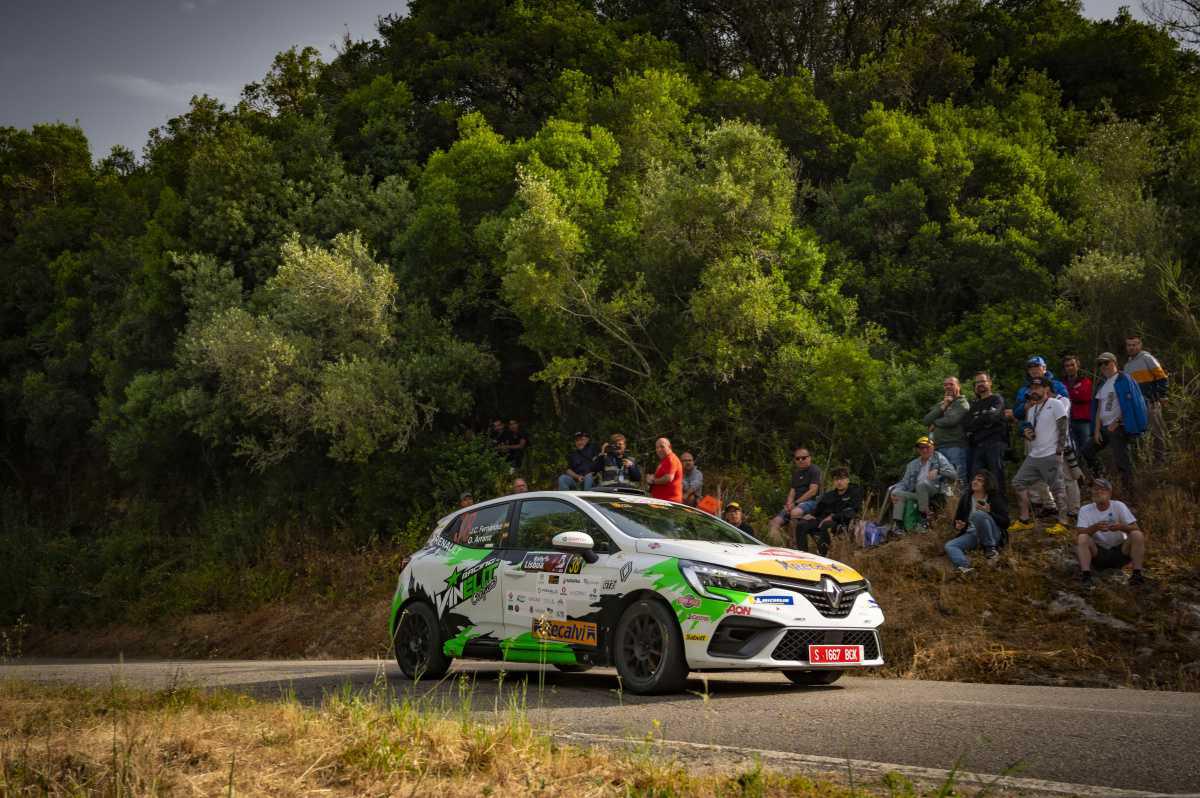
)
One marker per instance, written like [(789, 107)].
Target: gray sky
[(122, 67)]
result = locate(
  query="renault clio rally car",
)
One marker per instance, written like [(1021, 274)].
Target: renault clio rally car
[(654, 588)]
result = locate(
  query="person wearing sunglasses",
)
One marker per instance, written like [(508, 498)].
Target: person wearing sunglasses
[(801, 498)]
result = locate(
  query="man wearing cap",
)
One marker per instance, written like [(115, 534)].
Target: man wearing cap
[(1118, 416), (1148, 373), (929, 474), (580, 463), (1035, 366), (465, 499), (1046, 430), (734, 516), (946, 425), (693, 480), (1108, 536)]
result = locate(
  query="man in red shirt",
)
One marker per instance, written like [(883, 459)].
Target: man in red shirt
[(1079, 390), (667, 482)]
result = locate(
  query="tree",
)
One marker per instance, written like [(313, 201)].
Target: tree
[(1180, 17)]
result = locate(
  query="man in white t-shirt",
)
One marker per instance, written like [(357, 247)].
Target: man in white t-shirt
[(1046, 428), (1108, 536)]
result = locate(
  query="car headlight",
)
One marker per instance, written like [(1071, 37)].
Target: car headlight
[(702, 576)]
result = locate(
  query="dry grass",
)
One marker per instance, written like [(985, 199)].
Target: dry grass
[(60, 741)]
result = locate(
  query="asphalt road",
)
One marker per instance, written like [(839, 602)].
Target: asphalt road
[(1054, 740)]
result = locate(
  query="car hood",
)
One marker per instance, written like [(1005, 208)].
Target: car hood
[(764, 560)]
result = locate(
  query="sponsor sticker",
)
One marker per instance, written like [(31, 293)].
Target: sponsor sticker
[(773, 600), (737, 609), (609, 584), (552, 562), (695, 616), (578, 632), (467, 584), (691, 636), (552, 579), (689, 601)]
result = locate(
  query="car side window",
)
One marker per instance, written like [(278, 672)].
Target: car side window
[(542, 519), (485, 528)]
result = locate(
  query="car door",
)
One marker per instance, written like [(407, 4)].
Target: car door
[(466, 593), (550, 595)]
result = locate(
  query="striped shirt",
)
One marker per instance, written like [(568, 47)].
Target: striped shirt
[(1146, 371)]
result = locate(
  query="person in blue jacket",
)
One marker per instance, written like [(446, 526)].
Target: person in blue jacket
[(1035, 366), (1118, 416)]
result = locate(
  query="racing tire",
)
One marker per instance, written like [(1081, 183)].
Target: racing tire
[(565, 668), (648, 649), (418, 643), (813, 678)]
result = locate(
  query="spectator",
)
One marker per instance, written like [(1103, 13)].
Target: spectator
[(580, 463), (1108, 536), (802, 495), (496, 432), (519, 485), (987, 430), (946, 422), (1079, 391), (667, 482), (1046, 431), (734, 516), (1118, 416), (928, 475), (465, 499), (1146, 371), (1035, 367), (836, 509), (513, 443), (981, 518), (693, 480), (614, 467)]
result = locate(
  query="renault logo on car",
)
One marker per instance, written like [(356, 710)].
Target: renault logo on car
[(833, 591)]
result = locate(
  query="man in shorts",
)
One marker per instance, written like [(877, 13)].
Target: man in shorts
[(801, 498), (1108, 536)]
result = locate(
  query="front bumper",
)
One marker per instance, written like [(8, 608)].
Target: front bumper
[(742, 644)]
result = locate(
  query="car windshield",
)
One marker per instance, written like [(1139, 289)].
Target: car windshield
[(662, 520)]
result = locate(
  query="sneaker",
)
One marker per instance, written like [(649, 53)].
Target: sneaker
[(1136, 578), (963, 570), (1085, 580), (921, 528), (1057, 529), (991, 553), (1020, 525)]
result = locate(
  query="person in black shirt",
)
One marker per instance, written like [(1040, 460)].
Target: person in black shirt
[(734, 516), (802, 496), (580, 464), (614, 467), (513, 443), (836, 509), (987, 430)]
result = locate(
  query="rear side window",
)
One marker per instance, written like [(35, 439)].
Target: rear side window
[(485, 528)]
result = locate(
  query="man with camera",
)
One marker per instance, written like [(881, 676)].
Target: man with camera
[(1045, 428), (614, 467)]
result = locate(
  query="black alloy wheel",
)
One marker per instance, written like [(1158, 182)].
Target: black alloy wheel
[(418, 643), (648, 649), (813, 678)]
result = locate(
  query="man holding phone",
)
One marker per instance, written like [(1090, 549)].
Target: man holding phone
[(1108, 536)]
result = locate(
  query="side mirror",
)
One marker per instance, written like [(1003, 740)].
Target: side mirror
[(576, 542)]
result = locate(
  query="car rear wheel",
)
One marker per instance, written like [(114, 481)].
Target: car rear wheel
[(419, 643), (813, 678), (648, 649)]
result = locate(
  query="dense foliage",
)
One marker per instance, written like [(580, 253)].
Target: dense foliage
[(735, 223)]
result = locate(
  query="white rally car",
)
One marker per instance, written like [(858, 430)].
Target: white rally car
[(654, 588)]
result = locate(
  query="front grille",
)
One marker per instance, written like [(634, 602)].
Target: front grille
[(795, 642), (817, 596)]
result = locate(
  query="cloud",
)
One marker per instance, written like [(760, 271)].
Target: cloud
[(157, 91)]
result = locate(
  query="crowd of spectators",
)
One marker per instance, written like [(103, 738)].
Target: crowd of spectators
[(1063, 427)]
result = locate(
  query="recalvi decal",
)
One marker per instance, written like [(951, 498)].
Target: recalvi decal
[(578, 632)]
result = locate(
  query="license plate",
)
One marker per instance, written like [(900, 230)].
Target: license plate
[(835, 655)]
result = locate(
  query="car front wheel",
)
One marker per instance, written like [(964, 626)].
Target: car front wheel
[(813, 678), (648, 649), (419, 643)]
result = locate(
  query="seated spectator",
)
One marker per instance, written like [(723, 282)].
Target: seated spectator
[(613, 467), (928, 476), (734, 516), (580, 464), (465, 499), (980, 520), (836, 510), (802, 496), (519, 485), (1108, 536), (693, 480), (667, 482), (513, 443)]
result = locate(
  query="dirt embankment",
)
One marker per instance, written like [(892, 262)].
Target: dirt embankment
[(1022, 620)]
